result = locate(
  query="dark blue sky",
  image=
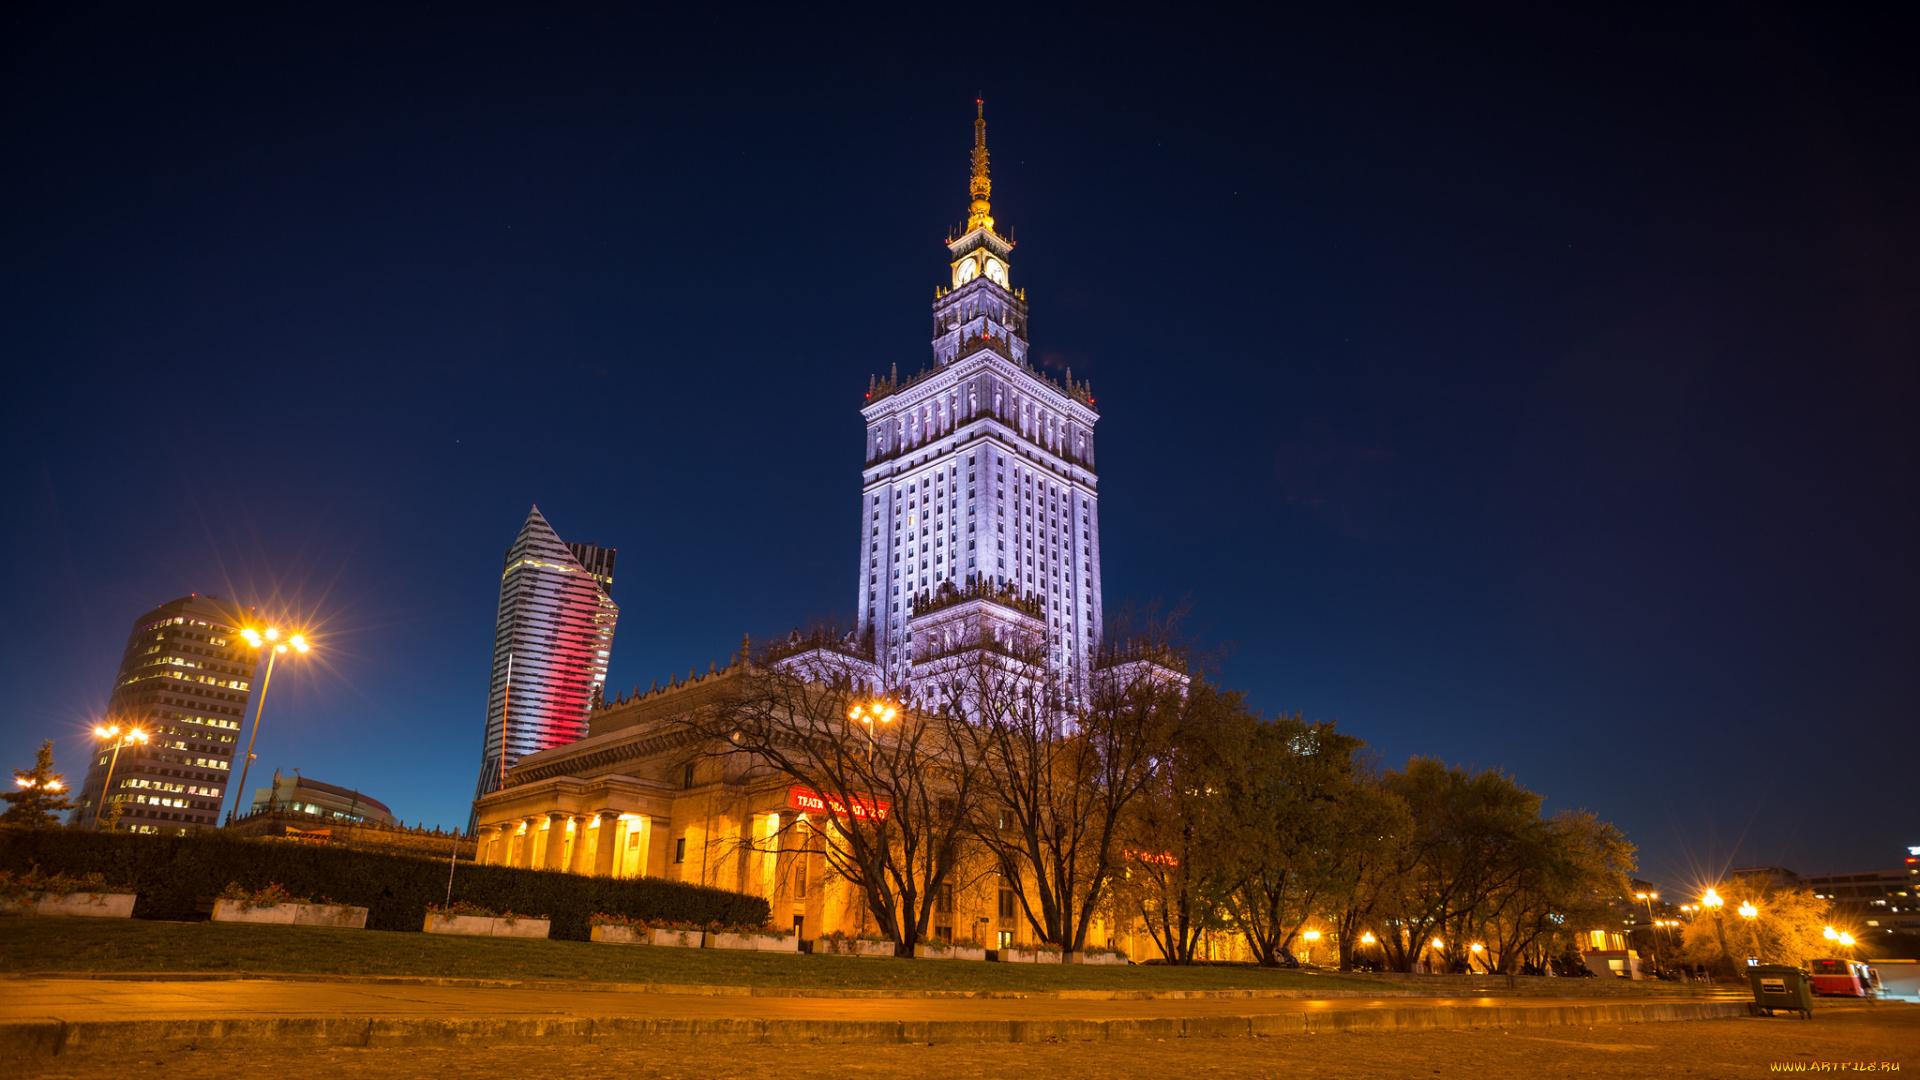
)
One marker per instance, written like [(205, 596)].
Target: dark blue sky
[(1530, 389)]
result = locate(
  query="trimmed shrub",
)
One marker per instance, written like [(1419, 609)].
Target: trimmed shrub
[(171, 873)]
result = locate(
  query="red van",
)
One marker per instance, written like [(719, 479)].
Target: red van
[(1842, 978)]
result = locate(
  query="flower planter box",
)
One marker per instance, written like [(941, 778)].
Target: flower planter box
[(1096, 958), (94, 905), (484, 926), (679, 939), (618, 935), (754, 942), (349, 918), (1025, 956), (953, 952), (844, 947)]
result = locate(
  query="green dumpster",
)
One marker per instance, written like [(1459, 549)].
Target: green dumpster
[(1779, 986)]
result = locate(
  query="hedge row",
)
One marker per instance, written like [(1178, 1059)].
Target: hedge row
[(171, 874)]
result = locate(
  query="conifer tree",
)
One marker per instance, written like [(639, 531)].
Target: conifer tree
[(41, 796)]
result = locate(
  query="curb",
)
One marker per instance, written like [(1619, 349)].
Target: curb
[(45, 1038), (712, 990)]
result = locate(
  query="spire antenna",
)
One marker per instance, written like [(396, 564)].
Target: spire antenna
[(980, 187)]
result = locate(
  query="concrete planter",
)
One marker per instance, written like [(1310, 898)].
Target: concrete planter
[(349, 918), (1025, 956), (846, 947), (927, 952), (484, 926), (754, 942), (618, 935), (93, 905), (679, 939), (1095, 958)]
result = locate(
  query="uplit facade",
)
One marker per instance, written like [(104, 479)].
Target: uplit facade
[(552, 638), (979, 469), (185, 680), (642, 797)]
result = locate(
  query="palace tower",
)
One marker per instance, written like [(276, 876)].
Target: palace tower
[(980, 469)]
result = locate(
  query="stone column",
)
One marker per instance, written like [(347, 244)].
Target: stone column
[(484, 839), (577, 854), (603, 849), (529, 840), (555, 856)]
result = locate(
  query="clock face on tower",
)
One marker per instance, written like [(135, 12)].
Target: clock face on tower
[(997, 272), (965, 272)]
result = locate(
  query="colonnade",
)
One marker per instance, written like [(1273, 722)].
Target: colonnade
[(606, 843)]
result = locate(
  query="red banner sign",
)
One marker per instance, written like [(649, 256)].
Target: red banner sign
[(863, 809)]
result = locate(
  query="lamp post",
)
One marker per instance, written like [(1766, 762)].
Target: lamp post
[(1712, 902), (1752, 915), (268, 639), (1311, 936), (870, 713), (1653, 934), (120, 738), (1476, 949)]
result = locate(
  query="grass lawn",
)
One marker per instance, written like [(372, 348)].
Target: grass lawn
[(33, 943)]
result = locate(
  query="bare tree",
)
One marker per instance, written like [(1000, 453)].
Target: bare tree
[(1063, 762), (895, 796)]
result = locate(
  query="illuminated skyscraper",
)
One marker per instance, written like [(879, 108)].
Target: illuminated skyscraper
[(185, 680), (555, 630), (980, 468)]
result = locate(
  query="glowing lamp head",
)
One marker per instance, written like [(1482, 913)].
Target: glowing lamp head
[(1846, 939), (1437, 944), (1312, 935), (299, 642), (1366, 938), (1477, 947), (1830, 934), (252, 636), (137, 735), (273, 633), (280, 648), (106, 732), (1711, 899), (1748, 910)]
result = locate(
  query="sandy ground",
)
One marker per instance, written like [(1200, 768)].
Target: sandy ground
[(1714, 1048)]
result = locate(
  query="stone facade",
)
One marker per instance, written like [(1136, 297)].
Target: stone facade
[(979, 469)]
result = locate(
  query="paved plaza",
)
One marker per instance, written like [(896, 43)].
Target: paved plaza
[(1747, 1047)]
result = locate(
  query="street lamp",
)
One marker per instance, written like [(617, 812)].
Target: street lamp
[(120, 738), (268, 639), (870, 713), (1712, 902), (1653, 936), (1311, 936), (1476, 949), (1752, 915)]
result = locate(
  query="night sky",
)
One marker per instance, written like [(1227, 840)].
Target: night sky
[(1526, 388)]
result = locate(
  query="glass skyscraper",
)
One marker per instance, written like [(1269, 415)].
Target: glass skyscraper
[(550, 646)]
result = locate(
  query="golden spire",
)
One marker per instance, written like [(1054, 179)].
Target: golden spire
[(981, 187)]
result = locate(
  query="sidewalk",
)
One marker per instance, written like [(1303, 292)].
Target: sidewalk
[(45, 1016)]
